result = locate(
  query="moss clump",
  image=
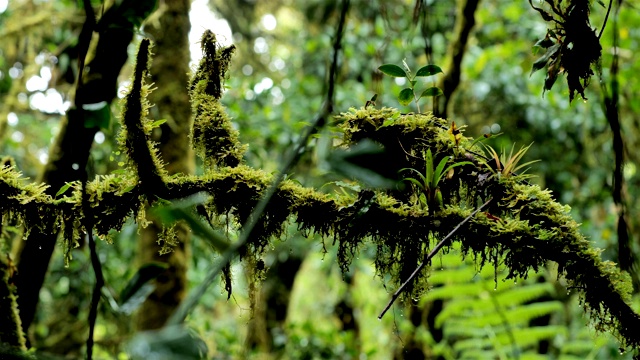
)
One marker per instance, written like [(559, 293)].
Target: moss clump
[(213, 136)]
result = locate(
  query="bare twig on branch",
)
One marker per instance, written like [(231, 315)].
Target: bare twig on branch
[(84, 40), (249, 228), (427, 258)]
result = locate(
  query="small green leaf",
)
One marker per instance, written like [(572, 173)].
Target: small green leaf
[(544, 59), (392, 70), (127, 189), (64, 188), (157, 123), (413, 82), (544, 43), (429, 70), (432, 91), (406, 96)]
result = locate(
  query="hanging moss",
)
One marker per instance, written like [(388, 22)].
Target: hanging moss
[(522, 228), (213, 136)]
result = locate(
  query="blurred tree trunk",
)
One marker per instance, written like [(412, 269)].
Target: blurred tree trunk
[(68, 158), (465, 22), (169, 73), (272, 304), (415, 348)]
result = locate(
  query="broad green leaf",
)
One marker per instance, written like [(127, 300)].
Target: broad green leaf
[(351, 186), (429, 70), (406, 96), (422, 177), (415, 182), (157, 123), (429, 160), (392, 70), (64, 188), (432, 91), (437, 175), (544, 59)]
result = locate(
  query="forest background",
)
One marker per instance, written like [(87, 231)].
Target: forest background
[(306, 307)]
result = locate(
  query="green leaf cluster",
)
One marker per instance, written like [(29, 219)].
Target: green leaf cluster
[(408, 95)]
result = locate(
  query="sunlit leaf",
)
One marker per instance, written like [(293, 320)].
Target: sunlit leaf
[(429, 70), (406, 96), (392, 70), (158, 123), (432, 91), (64, 188)]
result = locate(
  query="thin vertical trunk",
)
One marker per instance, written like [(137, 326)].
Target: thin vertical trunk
[(169, 73), (68, 159), (464, 24)]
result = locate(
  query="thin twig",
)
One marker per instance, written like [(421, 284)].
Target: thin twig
[(256, 215), (84, 41), (428, 258), (606, 17)]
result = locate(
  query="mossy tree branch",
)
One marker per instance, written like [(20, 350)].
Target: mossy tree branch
[(523, 227)]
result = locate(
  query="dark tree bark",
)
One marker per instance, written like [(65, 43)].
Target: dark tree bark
[(169, 73), (273, 302), (68, 159), (449, 83)]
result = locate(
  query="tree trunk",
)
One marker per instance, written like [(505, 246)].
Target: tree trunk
[(272, 304), (464, 24), (67, 160), (169, 73)]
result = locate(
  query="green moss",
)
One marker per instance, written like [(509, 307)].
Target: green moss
[(522, 228)]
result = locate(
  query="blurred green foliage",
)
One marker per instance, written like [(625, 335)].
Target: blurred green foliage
[(276, 82)]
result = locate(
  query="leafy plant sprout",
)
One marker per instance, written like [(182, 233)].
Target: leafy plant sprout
[(508, 165), (407, 95), (428, 182)]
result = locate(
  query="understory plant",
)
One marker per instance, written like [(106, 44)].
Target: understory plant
[(429, 195), (408, 95)]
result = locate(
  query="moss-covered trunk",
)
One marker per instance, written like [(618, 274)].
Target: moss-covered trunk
[(67, 160), (11, 330), (169, 73)]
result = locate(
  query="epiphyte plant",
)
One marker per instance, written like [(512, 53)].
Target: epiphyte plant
[(427, 183), (407, 95), (506, 166)]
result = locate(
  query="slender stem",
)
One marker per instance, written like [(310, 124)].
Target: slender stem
[(606, 17), (428, 258)]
